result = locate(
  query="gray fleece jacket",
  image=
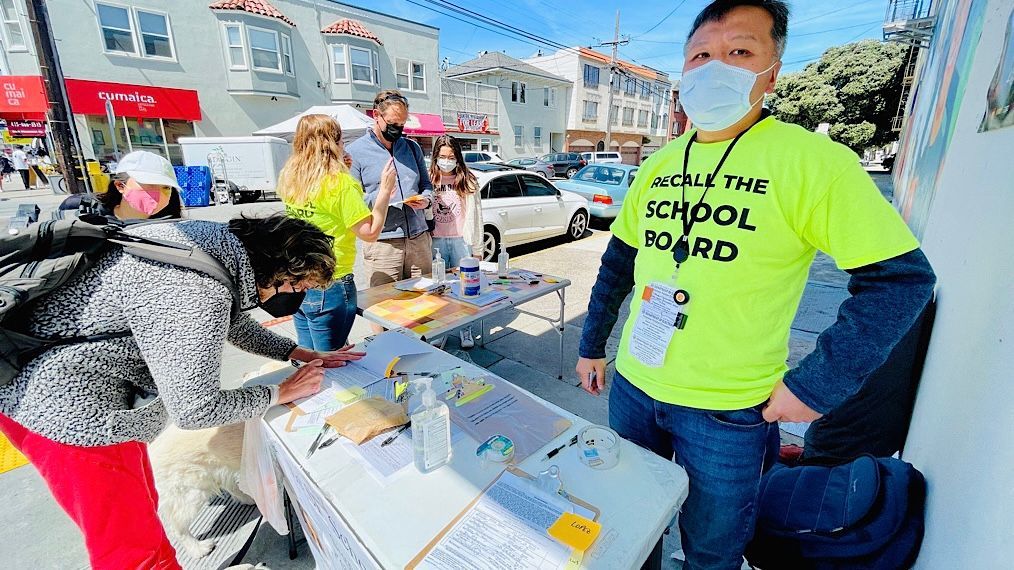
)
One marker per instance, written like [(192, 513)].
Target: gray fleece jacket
[(84, 394)]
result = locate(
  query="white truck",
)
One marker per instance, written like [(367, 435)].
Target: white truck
[(243, 168)]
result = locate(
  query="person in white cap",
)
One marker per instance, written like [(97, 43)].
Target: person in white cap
[(143, 186)]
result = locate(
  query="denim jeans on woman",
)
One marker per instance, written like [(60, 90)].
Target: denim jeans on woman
[(325, 318), (724, 454), (452, 249)]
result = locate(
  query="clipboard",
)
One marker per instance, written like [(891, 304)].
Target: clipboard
[(516, 471)]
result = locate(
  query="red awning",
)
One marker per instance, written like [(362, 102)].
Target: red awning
[(421, 124), (24, 97), (134, 101)]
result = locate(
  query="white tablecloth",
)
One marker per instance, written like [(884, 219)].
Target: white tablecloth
[(393, 522)]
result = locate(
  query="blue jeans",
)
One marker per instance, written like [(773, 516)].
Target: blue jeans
[(452, 249), (325, 318), (724, 454)]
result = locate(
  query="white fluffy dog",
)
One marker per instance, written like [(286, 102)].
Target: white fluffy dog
[(191, 468)]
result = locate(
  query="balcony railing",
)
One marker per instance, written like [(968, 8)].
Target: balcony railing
[(910, 22), (468, 97)]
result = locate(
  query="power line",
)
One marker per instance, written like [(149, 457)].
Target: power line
[(513, 36), (847, 6), (877, 22), (666, 17), (446, 4)]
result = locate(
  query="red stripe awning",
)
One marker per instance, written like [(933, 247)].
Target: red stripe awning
[(134, 101)]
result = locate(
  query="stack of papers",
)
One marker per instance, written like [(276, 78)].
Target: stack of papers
[(419, 284), (485, 298)]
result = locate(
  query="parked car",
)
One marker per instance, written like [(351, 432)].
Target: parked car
[(603, 185), (602, 157), (520, 207), (492, 167), (534, 165), (479, 157), (564, 163)]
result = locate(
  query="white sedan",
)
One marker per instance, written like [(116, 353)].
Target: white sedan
[(521, 207)]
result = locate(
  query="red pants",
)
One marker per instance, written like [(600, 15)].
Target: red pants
[(109, 492)]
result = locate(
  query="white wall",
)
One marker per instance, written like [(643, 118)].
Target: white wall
[(962, 434)]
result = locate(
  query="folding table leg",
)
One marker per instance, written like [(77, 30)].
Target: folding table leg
[(292, 528)]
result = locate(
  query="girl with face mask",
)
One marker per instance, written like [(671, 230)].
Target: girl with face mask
[(457, 211)]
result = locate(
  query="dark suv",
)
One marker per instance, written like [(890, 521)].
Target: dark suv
[(564, 163)]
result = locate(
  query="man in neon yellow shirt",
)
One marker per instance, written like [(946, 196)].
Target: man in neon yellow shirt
[(715, 238)]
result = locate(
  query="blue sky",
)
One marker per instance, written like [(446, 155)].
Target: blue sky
[(813, 27)]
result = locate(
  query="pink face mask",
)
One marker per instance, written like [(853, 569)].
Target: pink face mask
[(145, 201)]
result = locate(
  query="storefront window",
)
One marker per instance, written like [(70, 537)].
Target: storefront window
[(145, 134)]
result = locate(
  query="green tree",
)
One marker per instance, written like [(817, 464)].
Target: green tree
[(854, 87)]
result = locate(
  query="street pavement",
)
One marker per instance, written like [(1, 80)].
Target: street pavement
[(35, 534)]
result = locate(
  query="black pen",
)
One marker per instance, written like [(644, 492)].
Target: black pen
[(391, 439), (552, 452)]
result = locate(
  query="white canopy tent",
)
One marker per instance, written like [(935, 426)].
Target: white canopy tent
[(354, 122)]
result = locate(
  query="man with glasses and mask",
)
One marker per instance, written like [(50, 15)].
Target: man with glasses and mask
[(715, 239), (404, 247)]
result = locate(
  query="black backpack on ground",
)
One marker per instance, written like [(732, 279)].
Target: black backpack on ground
[(50, 254), (864, 514)]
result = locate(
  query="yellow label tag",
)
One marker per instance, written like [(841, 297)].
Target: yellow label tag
[(349, 396), (575, 531)]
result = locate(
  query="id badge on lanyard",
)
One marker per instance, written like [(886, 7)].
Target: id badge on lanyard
[(664, 303), (663, 312)]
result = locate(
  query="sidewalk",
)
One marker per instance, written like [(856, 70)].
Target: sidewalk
[(36, 534)]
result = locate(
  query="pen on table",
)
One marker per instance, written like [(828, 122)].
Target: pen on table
[(391, 439), (552, 452), (316, 442)]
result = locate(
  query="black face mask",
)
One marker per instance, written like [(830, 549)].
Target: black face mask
[(393, 132), (283, 304)]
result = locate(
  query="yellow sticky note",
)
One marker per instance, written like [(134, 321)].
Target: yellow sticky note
[(575, 531), (350, 395)]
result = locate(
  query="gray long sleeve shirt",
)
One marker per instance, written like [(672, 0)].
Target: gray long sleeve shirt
[(84, 394), (369, 157)]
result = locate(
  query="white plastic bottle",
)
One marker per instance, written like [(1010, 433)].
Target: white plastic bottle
[(431, 429), (503, 263), (439, 269)]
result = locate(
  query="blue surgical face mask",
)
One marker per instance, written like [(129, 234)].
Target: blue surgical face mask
[(716, 95)]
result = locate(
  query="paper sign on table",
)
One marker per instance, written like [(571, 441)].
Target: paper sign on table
[(349, 396), (575, 531)]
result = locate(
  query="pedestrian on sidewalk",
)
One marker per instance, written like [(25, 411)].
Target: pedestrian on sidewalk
[(83, 413), (404, 249), (20, 160), (316, 186), (715, 238), (36, 162)]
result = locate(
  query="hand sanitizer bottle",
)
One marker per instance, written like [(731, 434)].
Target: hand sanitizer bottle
[(439, 269), (431, 430), (503, 263)]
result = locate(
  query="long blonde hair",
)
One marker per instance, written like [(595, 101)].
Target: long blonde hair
[(316, 153)]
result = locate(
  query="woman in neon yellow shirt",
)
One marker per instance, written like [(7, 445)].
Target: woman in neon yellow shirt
[(315, 185)]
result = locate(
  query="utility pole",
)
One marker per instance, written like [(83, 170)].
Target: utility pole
[(65, 141), (613, 75)]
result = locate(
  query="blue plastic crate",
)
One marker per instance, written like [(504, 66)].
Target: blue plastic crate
[(196, 184)]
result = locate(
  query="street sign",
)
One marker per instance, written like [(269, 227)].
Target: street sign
[(111, 117), (26, 128), (473, 122)]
